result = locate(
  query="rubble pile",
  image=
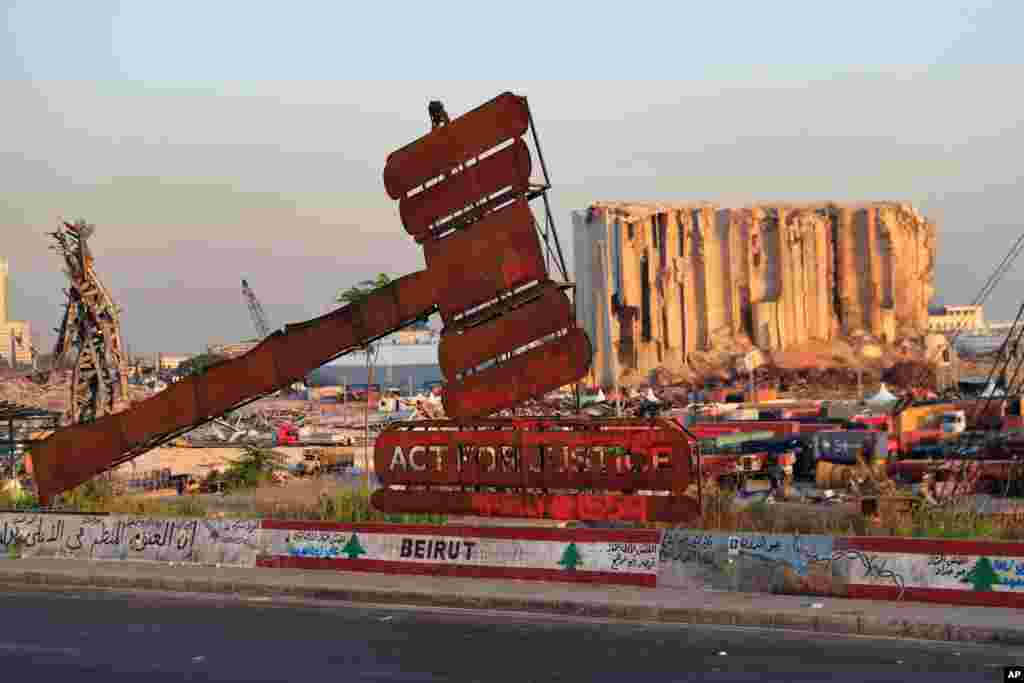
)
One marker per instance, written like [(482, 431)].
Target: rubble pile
[(50, 390)]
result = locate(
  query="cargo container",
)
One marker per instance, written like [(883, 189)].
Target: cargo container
[(922, 417)]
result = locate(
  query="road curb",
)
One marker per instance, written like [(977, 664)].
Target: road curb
[(746, 617)]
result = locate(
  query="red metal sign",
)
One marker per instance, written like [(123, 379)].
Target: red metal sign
[(607, 455)]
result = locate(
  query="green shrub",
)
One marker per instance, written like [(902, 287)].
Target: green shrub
[(256, 466), (22, 500), (92, 496)]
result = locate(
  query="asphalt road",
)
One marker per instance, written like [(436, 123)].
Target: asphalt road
[(89, 636)]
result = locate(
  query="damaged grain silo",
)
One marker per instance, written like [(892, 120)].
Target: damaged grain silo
[(658, 282)]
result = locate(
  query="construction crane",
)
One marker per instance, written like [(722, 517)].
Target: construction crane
[(259, 318)]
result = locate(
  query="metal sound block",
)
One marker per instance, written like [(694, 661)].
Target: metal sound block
[(503, 118), (464, 349), (508, 169), (527, 375)]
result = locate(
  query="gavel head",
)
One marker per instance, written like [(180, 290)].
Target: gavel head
[(464, 191)]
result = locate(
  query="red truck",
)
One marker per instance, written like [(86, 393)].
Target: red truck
[(287, 435)]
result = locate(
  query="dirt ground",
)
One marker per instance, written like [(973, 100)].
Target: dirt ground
[(198, 462)]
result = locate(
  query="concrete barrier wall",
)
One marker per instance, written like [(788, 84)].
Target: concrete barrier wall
[(115, 537), (951, 572), (588, 555), (944, 571)]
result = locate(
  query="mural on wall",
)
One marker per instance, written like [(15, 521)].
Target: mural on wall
[(741, 561), (233, 542), (567, 555), (823, 565), (765, 563), (949, 572)]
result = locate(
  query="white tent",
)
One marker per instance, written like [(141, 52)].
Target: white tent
[(883, 396)]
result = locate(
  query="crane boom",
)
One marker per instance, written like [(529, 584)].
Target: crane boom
[(259, 317)]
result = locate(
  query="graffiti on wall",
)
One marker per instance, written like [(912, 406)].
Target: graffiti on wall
[(811, 565), (642, 556), (566, 555), (741, 561), (1009, 572), (797, 552), (320, 544), (776, 563), (943, 571), (130, 538)]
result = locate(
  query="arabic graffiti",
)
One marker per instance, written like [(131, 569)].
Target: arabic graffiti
[(239, 531), (955, 566), (811, 565), (1006, 571), (29, 532), (682, 546), (129, 538), (633, 556), (797, 552), (746, 562), (937, 570), (322, 544)]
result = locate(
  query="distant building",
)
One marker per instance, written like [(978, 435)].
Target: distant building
[(657, 283), (171, 361), (413, 335), (957, 318), (17, 331)]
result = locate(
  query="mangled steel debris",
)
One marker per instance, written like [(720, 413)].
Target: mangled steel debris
[(90, 330)]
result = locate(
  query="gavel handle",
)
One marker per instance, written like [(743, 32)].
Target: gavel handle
[(75, 454)]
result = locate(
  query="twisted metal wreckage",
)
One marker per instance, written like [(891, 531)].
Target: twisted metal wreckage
[(91, 330)]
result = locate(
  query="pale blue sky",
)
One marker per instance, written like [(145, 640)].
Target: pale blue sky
[(215, 141)]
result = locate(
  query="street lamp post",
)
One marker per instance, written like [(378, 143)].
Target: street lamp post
[(371, 352)]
